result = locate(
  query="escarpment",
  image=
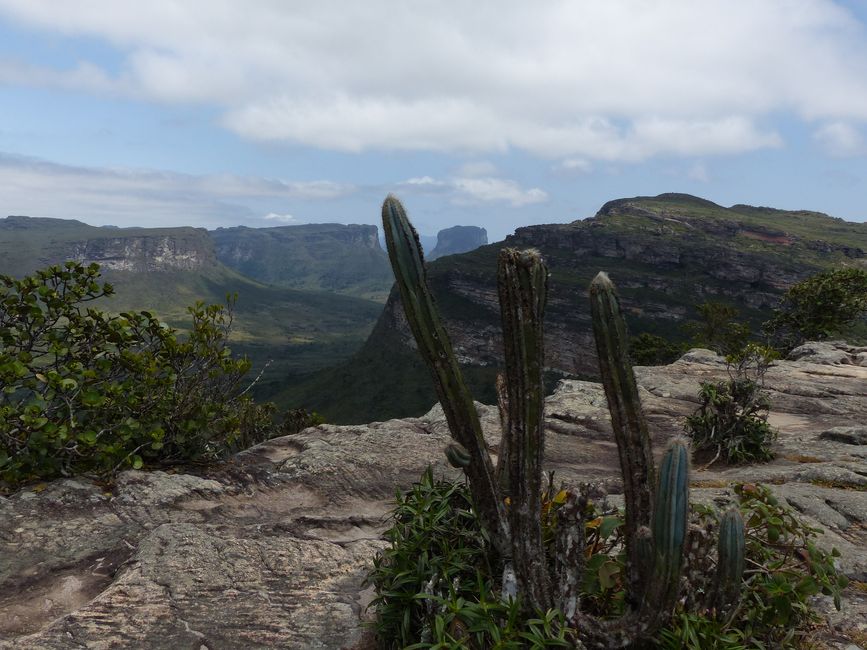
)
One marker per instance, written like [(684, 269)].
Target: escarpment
[(667, 254)]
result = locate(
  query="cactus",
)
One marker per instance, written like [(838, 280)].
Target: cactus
[(656, 519), (627, 420), (404, 251), (730, 559)]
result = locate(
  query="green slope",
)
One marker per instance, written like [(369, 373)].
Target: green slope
[(345, 259), (295, 331)]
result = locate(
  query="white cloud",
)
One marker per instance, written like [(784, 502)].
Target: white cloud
[(575, 165), (283, 218), (424, 180), (134, 197), (609, 80), (464, 190), (840, 139), (497, 189)]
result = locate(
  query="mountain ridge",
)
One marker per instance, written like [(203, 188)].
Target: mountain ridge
[(666, 254)]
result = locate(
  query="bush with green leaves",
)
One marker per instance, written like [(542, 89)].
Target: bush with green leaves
[(435, 585), (651, 350), (85, 391), (717, 328), (824, 305), (732, 421), (436, 589), (785, 568)]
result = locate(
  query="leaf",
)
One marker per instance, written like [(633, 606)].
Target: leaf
[(560, 498), (608, 526), (137, 462), (606, 574)]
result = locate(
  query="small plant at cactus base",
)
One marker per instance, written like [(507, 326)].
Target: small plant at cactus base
[(732, 421), (436, 587), (85, 391)]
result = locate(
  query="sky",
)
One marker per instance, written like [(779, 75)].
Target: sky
[(496, 113)]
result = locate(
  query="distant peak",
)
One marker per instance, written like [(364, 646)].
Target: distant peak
[(458, 239)]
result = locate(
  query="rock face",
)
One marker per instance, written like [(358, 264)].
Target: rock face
[(271, 548), (330, 256), (458, 239), (666, 254), (145, 253), (28, 244)]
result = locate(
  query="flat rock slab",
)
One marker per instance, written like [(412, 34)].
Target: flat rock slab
[(271, 548)]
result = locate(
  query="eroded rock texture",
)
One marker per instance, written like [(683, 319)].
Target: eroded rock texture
[(270, 549)]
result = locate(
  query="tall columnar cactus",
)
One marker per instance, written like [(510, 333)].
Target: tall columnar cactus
[(656, 519), (405, 253), (627, 419)]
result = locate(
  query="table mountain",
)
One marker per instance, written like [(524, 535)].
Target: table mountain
[(458, 239), (666, 254), (167, 269)]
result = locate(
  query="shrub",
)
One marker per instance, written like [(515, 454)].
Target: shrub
[(435, 588), (785, 569), (718, 329), (435, 584), (89, 392), (823, 305), (652, 350), (731, 421)]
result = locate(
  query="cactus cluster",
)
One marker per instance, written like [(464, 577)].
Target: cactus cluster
[(508, 495)]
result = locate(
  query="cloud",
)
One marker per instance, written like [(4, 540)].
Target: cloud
[(424, 181), (609, 80), (283, 218), (840, 139), (131, 197), (468, 190), (498, 189), (575, 166)]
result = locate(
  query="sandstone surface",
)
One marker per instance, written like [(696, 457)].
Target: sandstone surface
[(271, 548)]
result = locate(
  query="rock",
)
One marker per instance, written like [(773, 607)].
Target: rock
[(458, 239), (829, 352), (271, 548), (847, 435)]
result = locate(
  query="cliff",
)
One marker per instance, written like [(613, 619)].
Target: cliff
[(271, 549), (165, 270), (330, 257), (458, 239), (30, 243), (666, 255)]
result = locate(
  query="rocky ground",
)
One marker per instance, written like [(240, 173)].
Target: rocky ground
[(271, 549)]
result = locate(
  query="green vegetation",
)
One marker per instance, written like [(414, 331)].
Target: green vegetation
[(294, 332), (652, 350), (732, 421), (717, 329), (667, 254), (543, 570), (319, 257), (436, 587), (89, 392), (824, 305)]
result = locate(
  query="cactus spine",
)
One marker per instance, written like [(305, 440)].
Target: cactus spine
[(656, 521)]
